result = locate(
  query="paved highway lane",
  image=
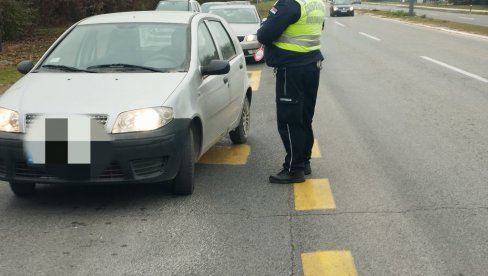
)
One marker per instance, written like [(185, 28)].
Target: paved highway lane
[(474, 19), (405, 150), (398, 184)]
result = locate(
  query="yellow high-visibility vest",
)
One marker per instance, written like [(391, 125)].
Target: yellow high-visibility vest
[(304, 35)]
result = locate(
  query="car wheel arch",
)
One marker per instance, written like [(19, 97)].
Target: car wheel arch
[(249, 94), (197, 127)]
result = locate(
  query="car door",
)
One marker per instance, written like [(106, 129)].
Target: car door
[(214, 96), (237, 73)]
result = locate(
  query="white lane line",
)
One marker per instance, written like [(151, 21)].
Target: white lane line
[(467, 18), (340, 24), (455, 69), (370, 36)]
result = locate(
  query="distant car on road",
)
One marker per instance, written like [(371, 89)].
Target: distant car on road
[(164, 87), (178, 5), (245, 21), (341, 7)]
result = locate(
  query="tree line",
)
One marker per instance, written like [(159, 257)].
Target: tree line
[(19, 17)]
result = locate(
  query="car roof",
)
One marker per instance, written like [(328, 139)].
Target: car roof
[(233, 6), (182, 17)]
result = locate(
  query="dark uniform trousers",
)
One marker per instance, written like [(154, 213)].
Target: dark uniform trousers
[(296, 94)]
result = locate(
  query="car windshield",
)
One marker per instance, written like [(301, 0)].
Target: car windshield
[(121, 47), (237, 15), (173, 6), (342, 2), (206, 6)]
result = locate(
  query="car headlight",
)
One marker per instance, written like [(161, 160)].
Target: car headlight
[(9, 120), (251, 37), (351, 8), (143, 119), (335, 8)]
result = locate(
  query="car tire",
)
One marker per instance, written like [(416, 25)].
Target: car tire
[(352, 14), (22, 189), (240, 133), (184, 182)]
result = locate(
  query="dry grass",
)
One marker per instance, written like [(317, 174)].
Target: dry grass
[(30, 48)]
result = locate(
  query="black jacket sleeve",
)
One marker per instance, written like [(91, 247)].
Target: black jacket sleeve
[(282, 14)]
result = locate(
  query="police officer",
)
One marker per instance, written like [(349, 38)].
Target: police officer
[(291, 35)]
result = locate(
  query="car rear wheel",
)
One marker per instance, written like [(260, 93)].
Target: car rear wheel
[(183, 184), (22, 189), (240, 133)]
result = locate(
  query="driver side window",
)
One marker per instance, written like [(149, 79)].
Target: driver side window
[(206, 46)]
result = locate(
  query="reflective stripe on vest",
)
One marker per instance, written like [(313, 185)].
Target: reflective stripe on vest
[(304, 35), (301, 40)]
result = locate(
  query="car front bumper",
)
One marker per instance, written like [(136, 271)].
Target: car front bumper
[(150, 156)]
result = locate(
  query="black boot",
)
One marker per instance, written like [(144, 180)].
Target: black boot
[(287, 177), (308, 169)]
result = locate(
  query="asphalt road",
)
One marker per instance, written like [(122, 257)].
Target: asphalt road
[(455, 16), (401, 128)]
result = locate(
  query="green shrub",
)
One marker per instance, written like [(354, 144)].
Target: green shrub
[(16, 18)]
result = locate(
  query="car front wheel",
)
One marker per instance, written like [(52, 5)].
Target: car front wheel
[(183, 184), (22, 189), (240, 133)]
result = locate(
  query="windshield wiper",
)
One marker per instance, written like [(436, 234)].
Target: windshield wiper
[(66, 68), (123, 65)]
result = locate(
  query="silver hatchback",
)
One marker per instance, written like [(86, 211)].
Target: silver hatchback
[(159, 88), (245, 21)]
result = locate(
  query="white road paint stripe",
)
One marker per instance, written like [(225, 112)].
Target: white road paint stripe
[(340, 24), (370, 36), (455, 69), (467, 18)]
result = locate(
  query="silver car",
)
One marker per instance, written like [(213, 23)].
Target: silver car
[(178, 5), (245, 21), (341, 7), (159, 89)]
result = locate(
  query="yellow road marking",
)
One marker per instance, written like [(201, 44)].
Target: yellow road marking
[(316, 150), (226, 155), (254, 79), (335, 263), (313, 194)]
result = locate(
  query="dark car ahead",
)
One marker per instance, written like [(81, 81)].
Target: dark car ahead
[(341, 7)]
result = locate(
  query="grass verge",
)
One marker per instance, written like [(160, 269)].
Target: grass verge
[(401, 15), (30, 48), (8, 76), (264, 7)]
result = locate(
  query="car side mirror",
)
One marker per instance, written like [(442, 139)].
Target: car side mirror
[(263, 20), (25, 66), (215, 67)]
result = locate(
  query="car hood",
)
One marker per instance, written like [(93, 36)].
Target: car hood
[(244, 29), (84, 93)]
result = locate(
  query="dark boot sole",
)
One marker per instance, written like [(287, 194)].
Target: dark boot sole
[(286, 181)]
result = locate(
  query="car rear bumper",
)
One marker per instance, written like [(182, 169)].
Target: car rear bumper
[(150, 156)]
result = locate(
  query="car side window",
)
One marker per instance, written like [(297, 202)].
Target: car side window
[(223, 40), (206, 47)]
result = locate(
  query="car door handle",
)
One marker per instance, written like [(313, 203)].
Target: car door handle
[(226, 80), (241, 66)]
